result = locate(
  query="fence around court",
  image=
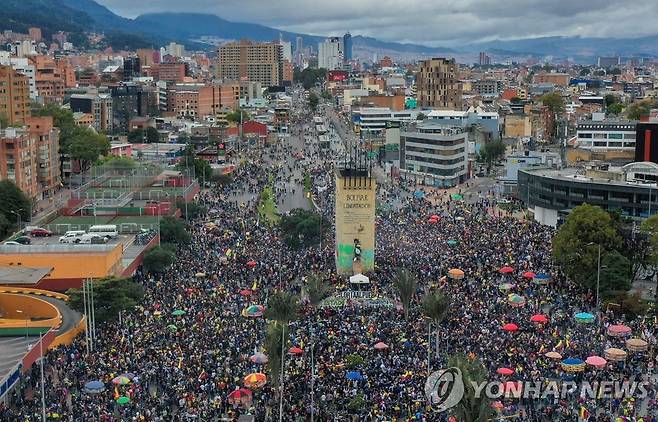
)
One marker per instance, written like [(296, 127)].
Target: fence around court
[(122, 228)]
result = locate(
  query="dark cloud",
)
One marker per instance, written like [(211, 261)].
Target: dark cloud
[(433, 22)]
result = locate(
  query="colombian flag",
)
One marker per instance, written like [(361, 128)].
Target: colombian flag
[(584, 413)]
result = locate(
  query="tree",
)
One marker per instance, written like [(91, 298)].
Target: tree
[(309, 76), (191, 209), (189, 165), (640, 109), (221, 179), (491, 152), (615, 109), (152, 135), (420, 116), (615, 71), (14, 203), (615, 273), (554, 102), (471, 408), (5, 225), (326, 95), (302, 227), (515, 100), (234, 116), (313, 101), (159, 259), (435, 307), (611, 99), (182, 138), (585, 71), (111, 296), (629, 304), (121, 162), (85, 145), (649, 229), (405, 284), (4, 120), (136, 136), (173, 230), (273, 348), (316, 289), (575, 246)]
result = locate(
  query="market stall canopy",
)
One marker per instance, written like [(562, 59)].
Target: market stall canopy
[(359, 279)]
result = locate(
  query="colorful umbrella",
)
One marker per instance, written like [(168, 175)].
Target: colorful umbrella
[(354, 376), (94, 387), (434, 217), (381, 346), (584, 317), (542, 279), (251, 263), (637, 345), (255, 380), (172, 327), (259, 358), (246, 292), (539, 318), (295, 350), (510, 327), (615, 354), (123, 400), (529, 274), (456, 274), (506, 286), (573, 365), (451, 242), (456, 197), (619, 331), (433, 221), (516, 300), (178, 312), (121, 380), (505, 371), (498, 405), (254, 311), (596, 361), (553, 355), (200, 275), (240, 396), (506, 270)]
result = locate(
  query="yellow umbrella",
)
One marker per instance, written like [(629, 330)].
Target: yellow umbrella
[(255, 380), (456, 274), (615, 354), (637, 345)]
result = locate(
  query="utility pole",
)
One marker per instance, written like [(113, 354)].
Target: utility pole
[(43, 393), (93, 314), (283, 357), (598, 279), (86, 314), (312, 384)]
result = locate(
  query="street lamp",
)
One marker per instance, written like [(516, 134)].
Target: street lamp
[(18, 214), (18, 311)]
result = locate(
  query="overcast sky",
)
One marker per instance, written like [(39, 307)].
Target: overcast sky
[(431, 22)]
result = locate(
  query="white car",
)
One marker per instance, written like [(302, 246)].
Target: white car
[(11, 243), (72, 236)]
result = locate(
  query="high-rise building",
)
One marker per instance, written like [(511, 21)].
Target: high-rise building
[(48, 158), (609, 61), (18, 160), (438, 84), (35, 33), (172, 72), (484, 59), (299, 44), (347, 46), (197, 101), (131, 100), (286, 50), (176, 50), (250, 61), (131, 68), (330, 56), (100, 105), (23, 66), (146, 56), (14, 95)]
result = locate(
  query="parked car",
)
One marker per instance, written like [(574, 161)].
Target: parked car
[(40, 232), (12, 243), (72, 236), (23, 240), (93, 239)]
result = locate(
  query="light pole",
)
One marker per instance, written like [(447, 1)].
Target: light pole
[(43, 392), (18, 214), (18, 311), (598, 273)]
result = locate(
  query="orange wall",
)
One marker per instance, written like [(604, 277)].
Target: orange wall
[(69, 265), (46, 314)]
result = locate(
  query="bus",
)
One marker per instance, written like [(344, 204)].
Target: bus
[(109, 230)]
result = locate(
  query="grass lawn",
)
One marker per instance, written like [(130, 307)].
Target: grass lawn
[(267, 210)]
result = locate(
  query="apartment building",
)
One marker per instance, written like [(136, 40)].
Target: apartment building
[(436, 153), (603, 135), (200, 100), (438, 85), (99, 105), (248, 61), (48, 157), (14, 96), (18, 160)]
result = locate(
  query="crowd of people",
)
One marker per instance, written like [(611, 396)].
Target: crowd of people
[(183, 365)]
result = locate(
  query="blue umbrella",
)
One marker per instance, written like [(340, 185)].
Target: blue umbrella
[(572, 361), (419, 194), (584, 317), (354, 375), (93, 387)]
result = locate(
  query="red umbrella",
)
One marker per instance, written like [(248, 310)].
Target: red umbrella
[(295, 350), (246, 292), (251, 263), (240, 396), (505, 371), (510, 327), (529, 274), (435, 217), (433, 220), (506, 270), (381, 346), (619, 330), (541, 319)]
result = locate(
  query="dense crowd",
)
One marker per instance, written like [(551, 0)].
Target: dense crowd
[(183, 367)]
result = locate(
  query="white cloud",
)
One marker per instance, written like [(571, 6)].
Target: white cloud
[(433, 22)]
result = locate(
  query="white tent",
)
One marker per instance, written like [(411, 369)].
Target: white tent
[(359, 279)]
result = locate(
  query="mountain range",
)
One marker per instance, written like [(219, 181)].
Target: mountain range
[(155, 29)]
